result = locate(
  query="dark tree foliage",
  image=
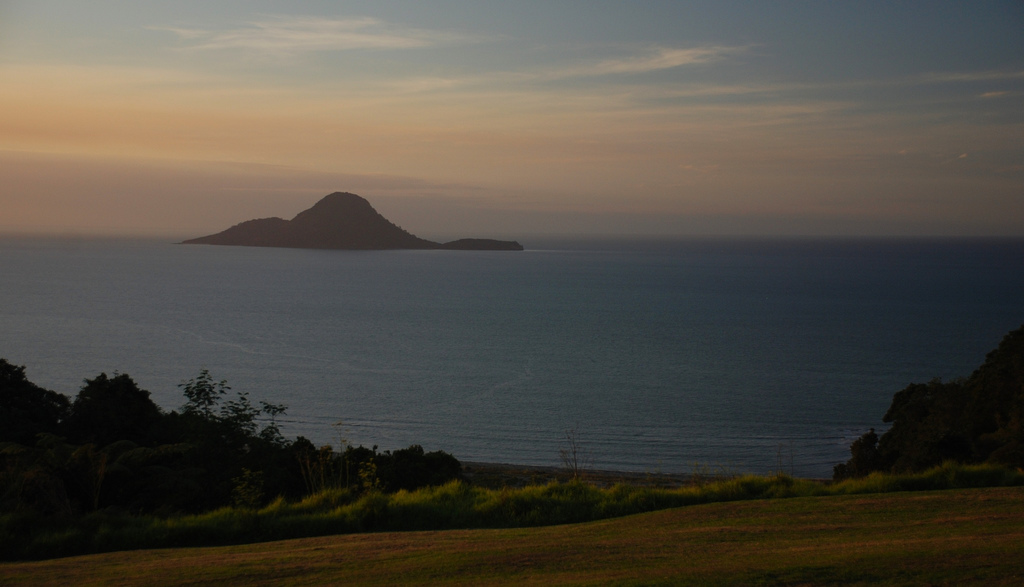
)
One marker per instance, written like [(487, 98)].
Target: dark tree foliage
[(927, 427), (230, 449), (410, 468), (973, 420), (112, 447), (364, 469), (203, 394), (27, 409), (864, 459), (995, 416), (151, 479), (111, 409)]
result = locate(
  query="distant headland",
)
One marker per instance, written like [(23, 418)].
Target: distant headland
[(339, 221)]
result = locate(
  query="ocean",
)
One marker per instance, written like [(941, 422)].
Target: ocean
[(663, 356)]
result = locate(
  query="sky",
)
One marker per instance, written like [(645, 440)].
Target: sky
[(515, 119)]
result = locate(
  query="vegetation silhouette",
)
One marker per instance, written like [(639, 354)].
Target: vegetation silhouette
[(111, 448), (978, 419)]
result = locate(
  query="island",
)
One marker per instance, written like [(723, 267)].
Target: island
[(339, 221)]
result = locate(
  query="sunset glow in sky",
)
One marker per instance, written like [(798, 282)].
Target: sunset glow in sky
[(511, 119)]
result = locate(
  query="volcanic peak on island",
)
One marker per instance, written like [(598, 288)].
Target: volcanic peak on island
[(339, 221)]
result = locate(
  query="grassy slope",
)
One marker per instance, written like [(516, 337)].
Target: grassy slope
[(953, 537)]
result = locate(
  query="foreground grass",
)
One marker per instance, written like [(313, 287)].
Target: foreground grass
[(452, 506), (972, 536)]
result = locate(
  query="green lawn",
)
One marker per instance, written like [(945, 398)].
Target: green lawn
[(937, 537)]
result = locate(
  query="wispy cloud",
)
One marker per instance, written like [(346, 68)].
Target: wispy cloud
[(971, 76), (661, 58), (301, 34), (654, 59)]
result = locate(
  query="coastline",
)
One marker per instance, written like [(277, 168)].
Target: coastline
[(498, 475)]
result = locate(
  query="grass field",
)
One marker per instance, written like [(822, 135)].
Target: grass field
[(972, 536)]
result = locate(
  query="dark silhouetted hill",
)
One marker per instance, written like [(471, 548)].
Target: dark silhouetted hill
[(338, 221)]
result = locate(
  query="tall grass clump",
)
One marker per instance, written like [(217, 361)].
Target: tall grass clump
[(949, 475), (538, 505), (452, 505)]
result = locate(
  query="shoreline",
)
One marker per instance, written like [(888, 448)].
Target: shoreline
[(498, 475)]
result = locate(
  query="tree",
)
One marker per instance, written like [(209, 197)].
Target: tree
[(972, 420), (203, 394), (248, 490), (35, 478), (27, 409), (994, 419), (240, 416), (271, 432), (237, 417), (109, 409), (927, 426), (864, 460), (574, 456), (228, 439)]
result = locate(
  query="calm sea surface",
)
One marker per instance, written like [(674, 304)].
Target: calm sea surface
[(745, 355)]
